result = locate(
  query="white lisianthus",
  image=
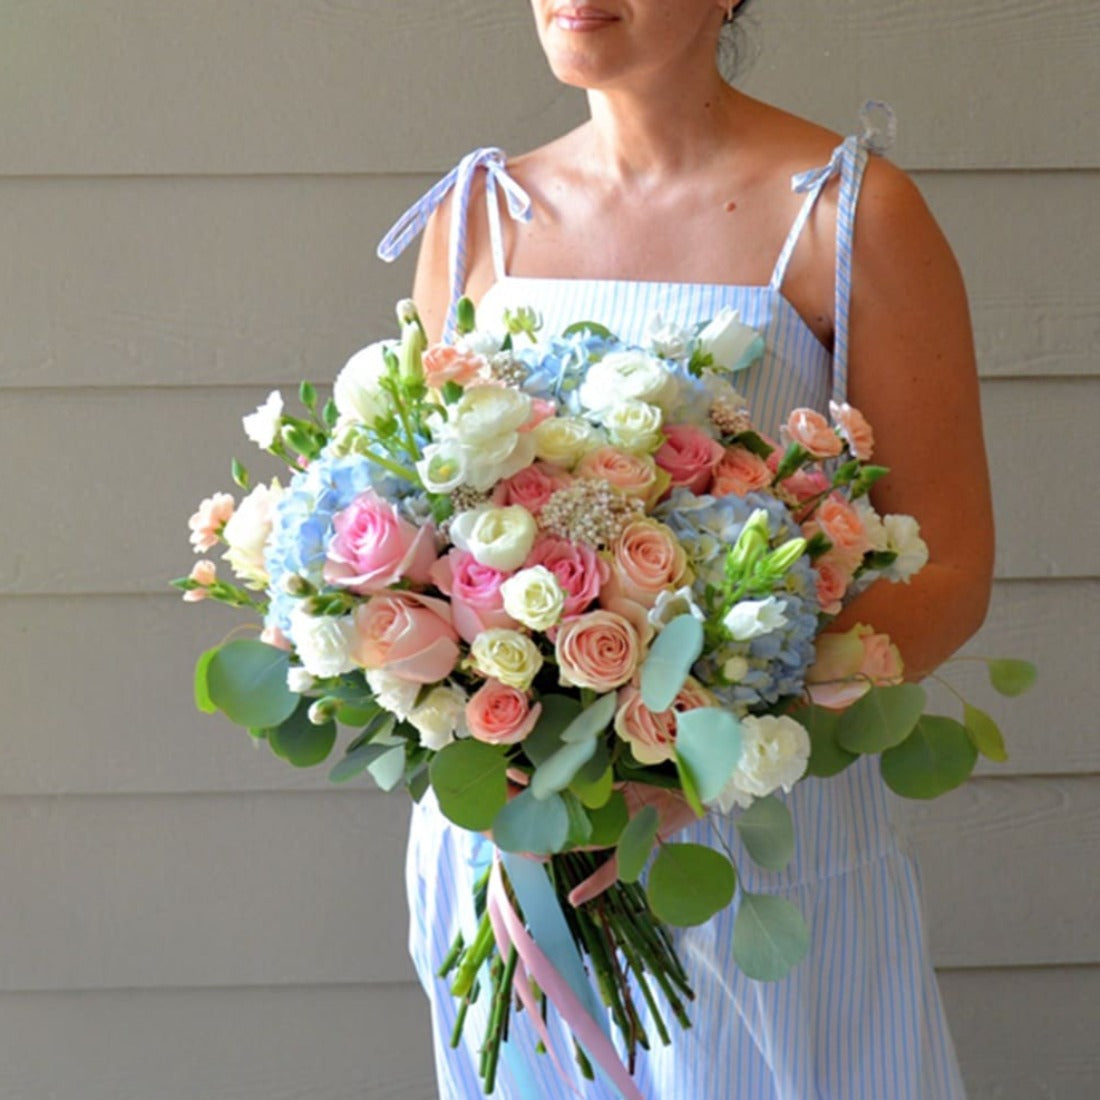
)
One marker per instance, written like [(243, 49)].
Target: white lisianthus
[(669, 605), (774, 752), (500, 538), (443, 467), (507, 656), (732, 344), (623, 375), (392, 693), (534, 597), (358, 391), (262, 426), (324, 642), (299, 679), (750, 619), (565, 440), (633, 425), (485, 423), (440, 716), (480, 342), (873, 526), (247, 531), (903, 539), (668, 339)]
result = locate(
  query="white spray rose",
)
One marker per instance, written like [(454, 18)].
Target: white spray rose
[(392, 693), (732, 344), (324, 642), (247, 531), (635, 426), (507, 656), (500, 538), (754, 618), (903, 538), (565, 440), (774, 752), (262, 426), (357, 391), (440, 717), (624, 375), (534, 597)]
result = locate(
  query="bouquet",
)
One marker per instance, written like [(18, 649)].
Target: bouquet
[(566, 584)]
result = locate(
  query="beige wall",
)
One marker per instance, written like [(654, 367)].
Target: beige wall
[(190, 195)]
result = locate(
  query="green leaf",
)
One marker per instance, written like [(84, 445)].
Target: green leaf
[(202, 692), (471, 783), (769, 937), (636, 843), (356, 761), (708, 745), (827, 758), (592, 720), (247, 682), (299, 742), (1012, 677), (689, 883), (594, 327), (388, 770), (558, 713), (687, 787), (935, 758), (880, 719), (356, 715), (529, 824), (596, 793), (984, 733), (609, 821), (670, 658), (239, 474), (580, 825), (767, 832), (556, 773)]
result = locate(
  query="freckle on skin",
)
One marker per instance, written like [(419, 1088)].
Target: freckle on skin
[(731, 206)]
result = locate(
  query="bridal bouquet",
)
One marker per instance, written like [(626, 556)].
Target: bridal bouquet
[(567, 585)]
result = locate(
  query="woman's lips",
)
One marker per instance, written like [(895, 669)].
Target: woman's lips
[(583, 18)]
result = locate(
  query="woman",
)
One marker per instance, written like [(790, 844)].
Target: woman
[(676, 197)]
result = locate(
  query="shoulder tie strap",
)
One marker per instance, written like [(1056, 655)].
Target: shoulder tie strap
[(461, 179)]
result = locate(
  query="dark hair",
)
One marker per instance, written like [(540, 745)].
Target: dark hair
[(733, 46)]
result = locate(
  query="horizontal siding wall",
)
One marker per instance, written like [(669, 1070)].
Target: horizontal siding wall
[(190, 198)]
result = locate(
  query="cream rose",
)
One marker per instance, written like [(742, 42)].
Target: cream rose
[(507, 656), (534, 597), (500, 538), (634, 426), (565, 440), (358, 389)]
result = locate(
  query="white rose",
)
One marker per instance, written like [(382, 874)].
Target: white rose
[(622, 375), (668, 339), (754, 618), (534, 597), (774, 752), (392, 693), (635, 426), (565, 440), (903, 538), (247, 531), (732, 344), (500, 538), (873, 526), (507, 656), (324, 642), (440, 716), (357, 391), (299, 679), (262, 426)]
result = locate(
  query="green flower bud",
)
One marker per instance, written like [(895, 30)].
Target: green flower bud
[(751, 544), (783, 557)]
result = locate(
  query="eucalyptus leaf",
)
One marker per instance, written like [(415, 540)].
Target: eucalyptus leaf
[(246, 680), (670, 658), (298, 741), (556, 773), (687, 787), (689, 883), (767, 831), (1012, 677), (827, 758), (984, 733), (356, 761), (880, 719), (592, 720), (935, 758), (609, 821), (708, 745), (202, 693), (530, 824), (388, 770), (593, 327), (769, 937), (558, 713), (636, 843), (596, 793), (580, 824), (470, 782)]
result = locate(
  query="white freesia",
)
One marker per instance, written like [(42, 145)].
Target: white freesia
[(903, 539), (731, 343), (324, 642), (440, 717), (634, 425), (534, 597), (247, 531), (873, 526), (299, 679), (622, 375), (392, 693), (262, 426), (670, 605), (565, 440), (774, 752), (500, 538), (668, 339), (507, 656), (443, 467), (358, 391), (750, 619)]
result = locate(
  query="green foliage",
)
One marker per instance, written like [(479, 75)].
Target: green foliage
[(985, 735), (530, 824), (670, 658), (592, 720), (689, 883), (827, 758), (880, 719), (559, 770), (935, 758), (558, 713), (202, 694), (636, 843), (357, 760), (239, 474), (767, 831), (596, 792), (769, 937), (708, 746), (1012, 677), (580, 824), (246, 680), (470, 781), (299, 742), (609, 821), (592, 327)]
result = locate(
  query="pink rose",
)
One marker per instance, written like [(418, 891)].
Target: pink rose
[(474, 589), (809, 429), (532, 487), (689, 456), (854, 429), (406, 634), (647, 559), (635, 476), (847, 664), (445, 363), (541, 409), (842, 526), (833, 575), (500, 715), (652, 735), (374, 547), (738, 472), (207, 523), (580, 571), (599, 650)]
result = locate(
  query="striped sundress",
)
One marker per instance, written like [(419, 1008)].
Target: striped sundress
[(860, 1017)]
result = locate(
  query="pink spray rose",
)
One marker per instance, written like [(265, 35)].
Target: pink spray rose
[(580, 571), (647, 559), (689, 456), (847, 664), (374, 547), (599, 650), (532, 487), (812, 431), (651, 735), (206, 524), (500, 715), (408, 635), (739, 472), (854, 429), (474, 589)]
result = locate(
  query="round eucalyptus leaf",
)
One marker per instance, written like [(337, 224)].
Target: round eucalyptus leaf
[(935, 758), (580, 824), (670, 658), (530, 824), (636, 843), (596, 793), (246, 680), (609, 821), (769, 937), (202, 693), (767, 832), (558, 712), (984, 733), (299, 742), (1012, 677), (388, 770), (708, 745), (880, 719), (470, 782), (827, 758), (557, 773), (689, 883), (592, 720), (356, 761)]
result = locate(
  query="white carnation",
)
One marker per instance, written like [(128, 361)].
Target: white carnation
[(262, 426), (903, 539), (392, 693), (323, 642), (774, 752), (440, 717)]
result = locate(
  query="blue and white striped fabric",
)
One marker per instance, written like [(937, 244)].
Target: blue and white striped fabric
[(859, 1018)]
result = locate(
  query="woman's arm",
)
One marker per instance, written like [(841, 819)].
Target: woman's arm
[(912, 373)]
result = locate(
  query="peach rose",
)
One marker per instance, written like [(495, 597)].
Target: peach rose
[(444, 363), (809, 429), (635, 476), (689, 456), (409, 635), (647, 559), (581, 572), (599, 650), (476, 600), (847, 664), (854, 429), (532, 487), (500, 715), (842, 526), (738, 472), (652, 735)]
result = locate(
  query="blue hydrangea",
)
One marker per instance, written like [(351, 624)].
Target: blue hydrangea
[(556, 368), (777, 662)]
